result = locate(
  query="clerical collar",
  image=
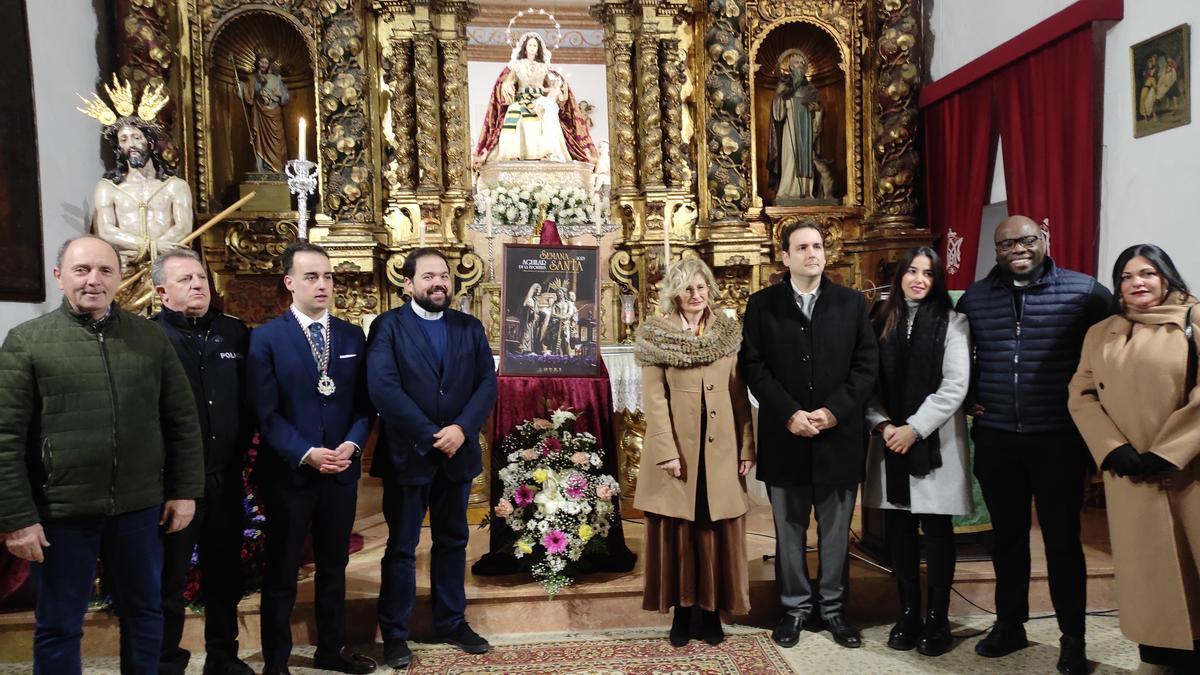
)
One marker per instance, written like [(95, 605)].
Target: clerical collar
[(305, 320), (424, 313)]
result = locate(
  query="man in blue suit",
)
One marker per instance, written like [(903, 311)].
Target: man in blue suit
[(433, 381), (306, 382)]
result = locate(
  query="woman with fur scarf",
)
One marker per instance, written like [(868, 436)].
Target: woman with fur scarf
[(699, 446)]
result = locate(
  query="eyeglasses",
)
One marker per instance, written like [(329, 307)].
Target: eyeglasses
[(1025, 242)]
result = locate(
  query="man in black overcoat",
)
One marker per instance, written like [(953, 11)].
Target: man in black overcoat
[(809, 356)]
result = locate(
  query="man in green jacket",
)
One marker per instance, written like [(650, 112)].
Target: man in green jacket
[(99, 453)]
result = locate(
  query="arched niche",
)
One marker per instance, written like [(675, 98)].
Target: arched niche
[(236, 43), (827, 74)]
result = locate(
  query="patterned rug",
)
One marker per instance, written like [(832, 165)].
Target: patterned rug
[(749, 654)]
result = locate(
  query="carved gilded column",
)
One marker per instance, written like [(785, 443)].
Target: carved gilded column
[(345, 153), (649, 110), (673, 77), (454, 114), (429, 137), (727, 124), (897, 83), (145, 54), (397, 76), (624, 146)]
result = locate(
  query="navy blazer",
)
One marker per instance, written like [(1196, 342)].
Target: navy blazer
[(416, 397), (281, 376)]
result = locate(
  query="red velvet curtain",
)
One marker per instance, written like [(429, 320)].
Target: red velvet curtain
[(1048, 124), (959, 137)]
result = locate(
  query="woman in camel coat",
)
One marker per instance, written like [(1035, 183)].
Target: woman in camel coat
[(1142, 424), (699, 445)]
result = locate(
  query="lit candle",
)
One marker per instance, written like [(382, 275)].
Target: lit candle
[(421, 233), (303, 137)]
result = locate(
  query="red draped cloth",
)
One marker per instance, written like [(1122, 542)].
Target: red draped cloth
[(15, 587), (525, 398), (959, 143), (1046, 106)]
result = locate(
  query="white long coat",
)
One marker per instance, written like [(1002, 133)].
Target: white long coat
[(947, 489)]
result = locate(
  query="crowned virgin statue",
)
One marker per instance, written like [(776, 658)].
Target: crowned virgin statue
[(532, 113)]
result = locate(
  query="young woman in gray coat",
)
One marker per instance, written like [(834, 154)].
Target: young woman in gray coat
[(917, 460)]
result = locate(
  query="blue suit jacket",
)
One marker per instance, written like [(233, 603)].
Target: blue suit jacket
[(282, 375), (416, 397)]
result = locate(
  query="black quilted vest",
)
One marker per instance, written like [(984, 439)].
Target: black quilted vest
[(1021, 369)]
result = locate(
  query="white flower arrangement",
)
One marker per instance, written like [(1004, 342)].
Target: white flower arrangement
[(522, 205), (557, 501)]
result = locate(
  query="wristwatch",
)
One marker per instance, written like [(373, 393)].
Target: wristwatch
[(918, 436)]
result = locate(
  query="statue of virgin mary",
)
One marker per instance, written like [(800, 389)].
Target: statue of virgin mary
[(528, 97)]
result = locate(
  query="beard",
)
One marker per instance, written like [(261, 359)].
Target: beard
[(136, 158), (429, 304)]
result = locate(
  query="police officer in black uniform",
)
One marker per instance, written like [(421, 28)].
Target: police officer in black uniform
[(212, 347)]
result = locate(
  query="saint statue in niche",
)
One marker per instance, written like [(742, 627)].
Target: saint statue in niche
[(263, 98), (796, 116), (532, 113)]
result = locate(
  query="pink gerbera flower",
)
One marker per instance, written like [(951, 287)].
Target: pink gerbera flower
[(523, 496), (554, 541), (576, 486)]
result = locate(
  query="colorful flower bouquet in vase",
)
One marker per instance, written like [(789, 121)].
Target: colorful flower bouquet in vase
[(557, 501)]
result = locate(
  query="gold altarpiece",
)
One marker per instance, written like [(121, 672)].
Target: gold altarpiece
[(689, 87)]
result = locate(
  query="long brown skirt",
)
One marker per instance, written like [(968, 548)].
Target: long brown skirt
[(696, 563)]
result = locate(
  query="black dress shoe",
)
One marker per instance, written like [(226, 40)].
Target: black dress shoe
[(396, 653), (936, 638), (713, 634), (906, 632), (787, 631), (843, 633), (276, 670), (1072, 656), (681, 626), (344, 661), (1003, 640), (467, 640), (228, 666)]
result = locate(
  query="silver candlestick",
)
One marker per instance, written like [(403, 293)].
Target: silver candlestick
[(302, 181)]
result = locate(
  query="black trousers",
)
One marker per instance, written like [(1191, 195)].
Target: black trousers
[(905, 549), (1049, 470), (215, 534), (326, 509)]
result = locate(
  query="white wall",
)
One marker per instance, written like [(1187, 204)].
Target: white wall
[(587, 80), (1149, 185), (63, 44)]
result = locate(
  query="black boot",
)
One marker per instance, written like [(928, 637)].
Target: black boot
[(907, 630), (681, 626), (936, 639), (712, 632)]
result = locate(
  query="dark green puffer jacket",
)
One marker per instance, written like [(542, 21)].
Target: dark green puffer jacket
[(95, 420)]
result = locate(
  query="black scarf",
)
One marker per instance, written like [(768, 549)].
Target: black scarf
[(910, 370)]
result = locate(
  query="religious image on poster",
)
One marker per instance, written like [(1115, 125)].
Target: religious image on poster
[(551, 303)]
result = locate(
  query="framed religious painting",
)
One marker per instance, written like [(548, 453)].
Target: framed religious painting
[(1162, 76), (24, 279), (551, 317)]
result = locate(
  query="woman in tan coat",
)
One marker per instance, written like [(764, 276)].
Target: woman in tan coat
[(699, 445), (1135, 401)]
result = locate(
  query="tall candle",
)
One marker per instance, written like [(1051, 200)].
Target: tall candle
[(421, 233), (303, 137)]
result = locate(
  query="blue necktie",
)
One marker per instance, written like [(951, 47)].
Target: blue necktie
[(318, 339)]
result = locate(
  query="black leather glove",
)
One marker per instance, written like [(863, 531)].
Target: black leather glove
[(1123, 461), (1152, 464)]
